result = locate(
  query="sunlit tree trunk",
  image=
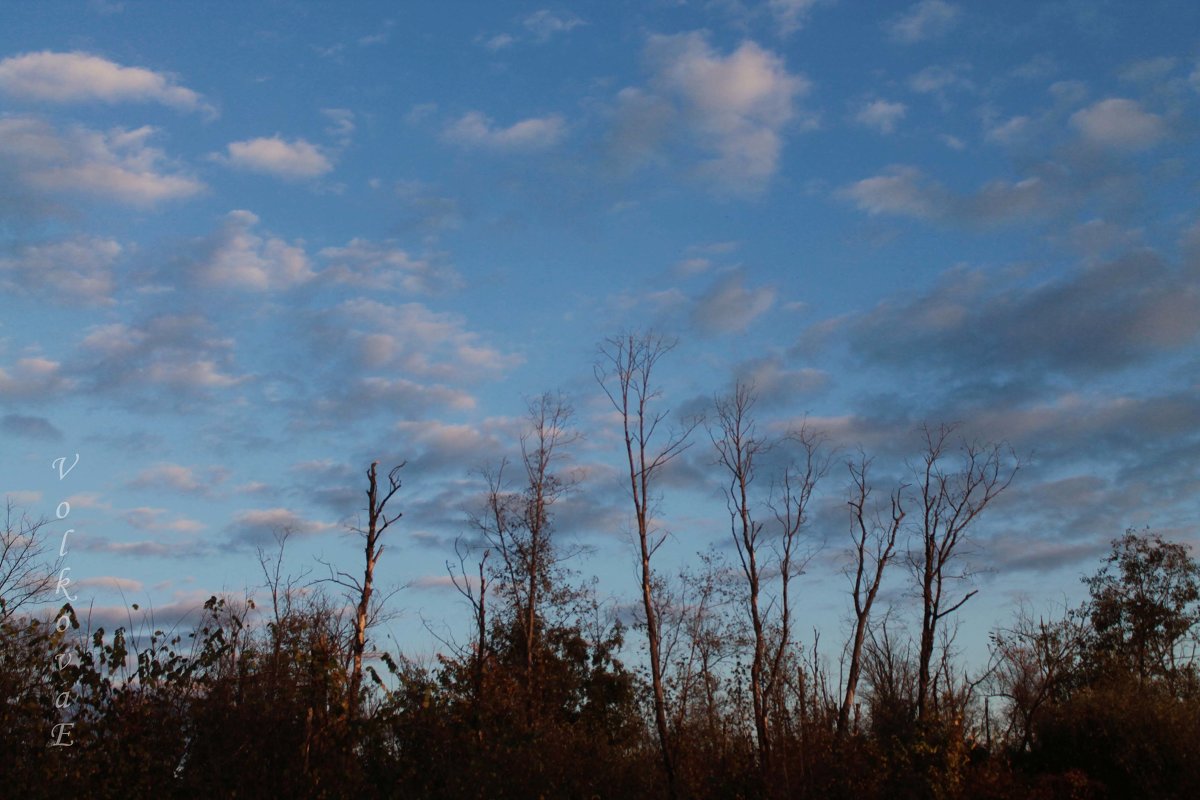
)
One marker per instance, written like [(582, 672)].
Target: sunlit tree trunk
[(624, 370)]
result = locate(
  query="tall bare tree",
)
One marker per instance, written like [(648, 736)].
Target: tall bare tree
[(518, 524), (739, 446), (362, 591), (541, 447), (625, 370), (951, 501), (873, 542)]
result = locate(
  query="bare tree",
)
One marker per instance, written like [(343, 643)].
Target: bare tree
[(474, 591), (739, 445), (27, 572), (624, 369), (951, 501), (378, 521), (789, 503), (874, 545), (283, 589), (541, 447)]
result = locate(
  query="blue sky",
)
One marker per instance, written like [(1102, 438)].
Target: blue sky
[(246, 249)]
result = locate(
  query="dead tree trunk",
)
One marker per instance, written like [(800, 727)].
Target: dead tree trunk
[(377, 522)]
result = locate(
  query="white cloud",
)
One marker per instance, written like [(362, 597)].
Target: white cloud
[(732, 108), (953, 142), (1119, 124), (117, 165), (775, 384), (1150, 70), (935, 79), (545, 23), (258, 526), (418, 340), (729, 307), (382, 265), (1068, 93), (175, 352), (294, 160), (790, 15), (147, 518), (110, 582), (341, 124), (927, 19), (33, 377), (498, 42), (80, 77), (475, 129), (881, 115), (899, 191), (237, 257), (905, 191), (179, 478), (1012, 131), (78, 270)]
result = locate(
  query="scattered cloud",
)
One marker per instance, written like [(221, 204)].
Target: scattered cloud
[(791, 15), (881, 115), (731, 110), (178, 478), (729, 306), (1011, 131), (427, 209), (936, 79), (290, 160), (476, 130), (235, 256), (81, 77), (901, 190), (30, 427), (77, 271), (383, 265), (396, 358), (446, 447), (1119, 124), (33, 378), (498, 42), (175, 352), (776, 384), (258, 526), (1149, 71), (953, 142), (905, 191), (116, 165), (927, 19), (544, 24), (109, 583), (348, 399), (409, 338), (341, 125), (441, 582), (1099, 319), (22, 498), (154, 519)]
